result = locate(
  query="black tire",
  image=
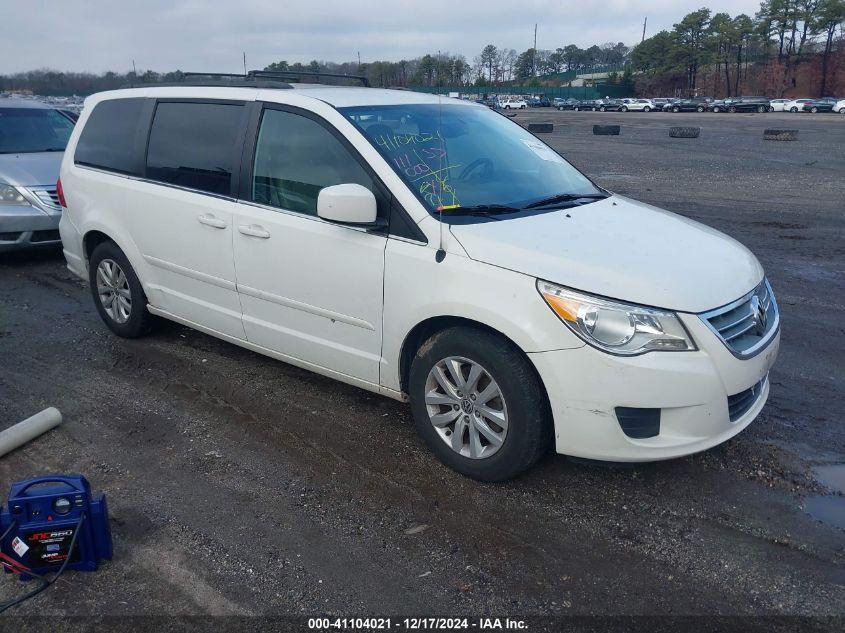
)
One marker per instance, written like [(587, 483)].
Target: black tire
[(577, 109), (732, 109), (841, 110), (700, 109), (814, 109), (763, 109), (623, 109), (646, 109), (716, 109), (793, 109), (684, 132), (529, 434), (676, 109), (140, 321)]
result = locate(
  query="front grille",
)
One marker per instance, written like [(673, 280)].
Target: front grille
[(748, 324), (45, 236), (48, 197), (740, 403)]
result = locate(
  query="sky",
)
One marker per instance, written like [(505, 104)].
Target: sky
[(211, 35)]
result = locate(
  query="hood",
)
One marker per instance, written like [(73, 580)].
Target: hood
[(30, 170), (621, 249)]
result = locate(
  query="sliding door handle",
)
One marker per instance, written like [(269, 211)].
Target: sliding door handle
[(254, 230), (210, 220)]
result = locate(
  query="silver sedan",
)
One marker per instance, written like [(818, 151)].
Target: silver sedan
[(32, 142)]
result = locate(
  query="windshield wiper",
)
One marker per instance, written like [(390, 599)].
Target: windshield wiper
[(481, 209), (565, 197)]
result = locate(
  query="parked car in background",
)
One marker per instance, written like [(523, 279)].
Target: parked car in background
[(566, 104), (659, 102), (778, 105), (509, 104), (539, 102), (820, 105), (578, 319), (33, 137), (795, 105), (610, 105), (637, 105), (698, 104), (839, 106), (588, 104), (743, 104)]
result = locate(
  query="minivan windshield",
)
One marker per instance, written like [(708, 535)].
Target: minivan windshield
[(27, 130), (467, 159)]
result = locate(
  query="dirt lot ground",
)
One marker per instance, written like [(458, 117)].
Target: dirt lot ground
[(242, 486)]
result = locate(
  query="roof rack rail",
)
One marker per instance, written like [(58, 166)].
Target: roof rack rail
[(253, 79), (298, 75)]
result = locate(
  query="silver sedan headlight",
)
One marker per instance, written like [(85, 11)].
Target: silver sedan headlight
[(11, 195), (614, 327)]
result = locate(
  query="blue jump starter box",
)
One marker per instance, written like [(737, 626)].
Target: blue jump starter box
[(49, 511)]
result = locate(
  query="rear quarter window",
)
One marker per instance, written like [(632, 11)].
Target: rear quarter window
[(195, 145), (108, 140)]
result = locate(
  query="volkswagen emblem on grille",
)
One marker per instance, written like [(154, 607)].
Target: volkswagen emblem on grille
[(759, 316)]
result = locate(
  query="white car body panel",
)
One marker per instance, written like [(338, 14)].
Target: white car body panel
[(342, 302), (562, 250)]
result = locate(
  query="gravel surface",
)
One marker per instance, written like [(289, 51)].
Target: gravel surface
[(239, 485)]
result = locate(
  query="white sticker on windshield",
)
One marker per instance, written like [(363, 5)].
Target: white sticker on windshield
[(542, 151)]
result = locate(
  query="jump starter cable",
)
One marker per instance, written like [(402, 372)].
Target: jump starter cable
[(17, 568)]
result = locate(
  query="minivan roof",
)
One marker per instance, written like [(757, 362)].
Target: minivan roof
[(337, 96)]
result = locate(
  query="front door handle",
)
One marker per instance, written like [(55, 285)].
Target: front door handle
[(210, 220), (254, 230)]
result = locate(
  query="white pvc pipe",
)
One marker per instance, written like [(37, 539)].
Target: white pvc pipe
[(22, 432)]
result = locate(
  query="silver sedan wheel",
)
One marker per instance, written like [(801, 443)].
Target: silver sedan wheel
[(466, 407), (113, 290)]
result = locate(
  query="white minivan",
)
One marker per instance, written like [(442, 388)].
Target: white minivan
[(427, 249)]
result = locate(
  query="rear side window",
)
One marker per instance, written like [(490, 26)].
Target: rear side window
[(195, 145), (108, 139)]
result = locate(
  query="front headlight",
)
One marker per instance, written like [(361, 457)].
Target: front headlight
[(10, 195), (617, 328)]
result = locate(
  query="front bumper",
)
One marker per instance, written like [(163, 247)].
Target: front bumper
[(23, 227), (691, 389)]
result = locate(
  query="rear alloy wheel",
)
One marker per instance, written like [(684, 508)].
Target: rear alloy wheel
[(732, 109), (676, 109), (478, 404), (700, 108), (841, 110), (646, 109), (793, 109), (814, 109), (623, 109), (716, 109), (762, 109), (118, 294), (602, 109)]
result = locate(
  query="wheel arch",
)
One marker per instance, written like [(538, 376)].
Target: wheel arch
[(424, 330)]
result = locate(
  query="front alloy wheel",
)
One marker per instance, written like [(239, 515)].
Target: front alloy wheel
[(478, 403), (466, 407), (113, 291)]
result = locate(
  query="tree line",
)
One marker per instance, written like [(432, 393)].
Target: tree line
[(769, 50)]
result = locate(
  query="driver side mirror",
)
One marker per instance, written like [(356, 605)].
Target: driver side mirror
[(349, 203)]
